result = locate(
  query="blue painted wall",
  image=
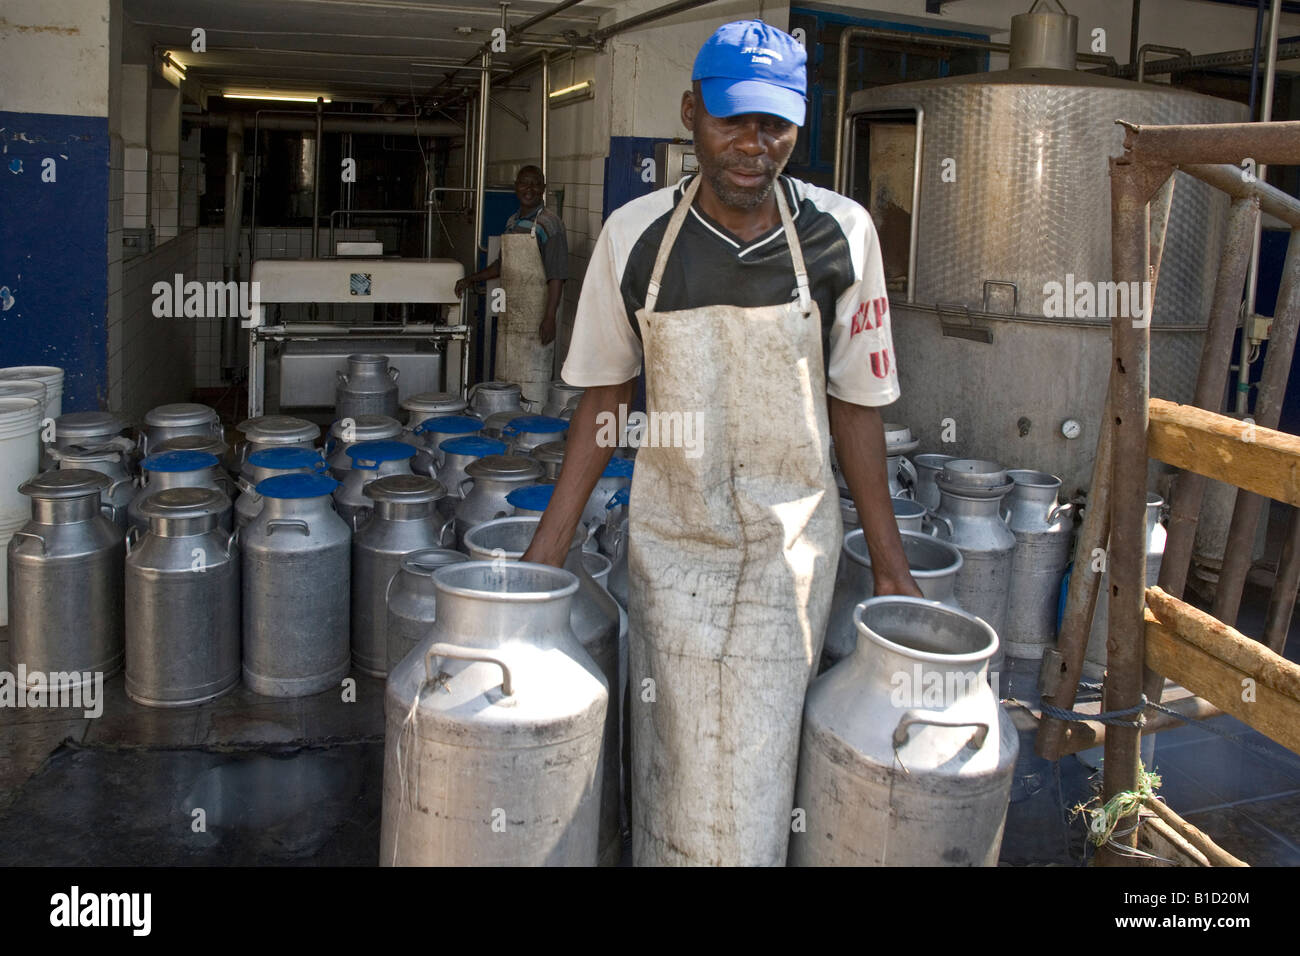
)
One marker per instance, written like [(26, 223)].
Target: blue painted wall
[(53, 250), (623, 170)]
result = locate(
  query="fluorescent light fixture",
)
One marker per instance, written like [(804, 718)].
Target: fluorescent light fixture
[(578, 91), (170, 62), (278, 97)]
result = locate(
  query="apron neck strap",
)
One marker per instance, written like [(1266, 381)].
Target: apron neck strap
[(675, 227)]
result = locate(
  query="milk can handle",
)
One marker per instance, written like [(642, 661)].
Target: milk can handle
[(912, 717), (393, 372), (31, 534), (935, 516), (461, 486), (132, 536), (533, 402), (358, 515), (455, 653), (112, 489), (288, 523), (1006, 516), (909, 470), (343, 376), (231, 541), (244, 485), (388, 590), (446, 526), (1052, 515)]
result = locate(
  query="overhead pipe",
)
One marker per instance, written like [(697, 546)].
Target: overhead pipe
[(230, 247), (1156, 48), (1288, 48), (315, 180), (303, 121), (546, 110)]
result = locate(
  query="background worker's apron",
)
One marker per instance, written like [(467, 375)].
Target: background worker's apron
[(521, 357), (732, 559)]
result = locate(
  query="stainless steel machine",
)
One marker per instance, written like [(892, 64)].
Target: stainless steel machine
[(293, 365)]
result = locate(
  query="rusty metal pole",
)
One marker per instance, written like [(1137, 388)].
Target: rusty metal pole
[(1132, 186), (1281, 603), (1269, 144), (1185, 503), (1237, 553)]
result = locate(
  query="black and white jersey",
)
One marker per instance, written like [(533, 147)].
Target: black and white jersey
[(711, 266)]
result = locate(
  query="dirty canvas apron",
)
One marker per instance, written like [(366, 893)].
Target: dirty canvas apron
[(521, 357), (732, 560)]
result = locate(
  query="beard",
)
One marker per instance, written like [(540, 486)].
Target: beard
[(740, 197)]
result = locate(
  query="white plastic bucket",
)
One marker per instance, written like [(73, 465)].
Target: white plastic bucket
[(47, 375), (20, 423), (8, 525)]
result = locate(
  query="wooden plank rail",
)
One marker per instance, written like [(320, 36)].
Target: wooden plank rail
[(1257, 459)]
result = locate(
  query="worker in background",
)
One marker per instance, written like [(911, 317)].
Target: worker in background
[(535, 219), (757, 305)]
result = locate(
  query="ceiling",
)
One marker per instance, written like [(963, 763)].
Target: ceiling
[(345, 49)]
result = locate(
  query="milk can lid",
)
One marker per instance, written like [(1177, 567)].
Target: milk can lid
[(179, 461), (499, 387), (302, 485), (536, 424), (434, 401), (184, 503), (83, 424), (73, 455), (278, 428), (179, 414), (618, 468), (65, 483), (368, 427), (368, 455), (504, 466), (405, 489), (474, 445), (293, 457), (552, 451), (208, 443), (450, 424), (531, 498), (427, 560)]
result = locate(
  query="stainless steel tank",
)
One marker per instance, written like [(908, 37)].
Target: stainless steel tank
[(64, 576), (274, 431), (297, 582), (368, 387), (492, 747), (412, 600), (110, 460), (182, 601), (180, 469), (346, 432), (1021, 211), (491, 478), (594, 618), (177, 421), (370, 460), (934, 565), (405, 519), (261, 465), (906, 756), (1043, 528)]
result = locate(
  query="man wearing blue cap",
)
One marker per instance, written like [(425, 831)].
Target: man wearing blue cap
[(757, 304)]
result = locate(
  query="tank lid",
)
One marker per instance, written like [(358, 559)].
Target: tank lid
[(1043, 37), (87, 425), (450, 425), (65, 483), (369, 455), (427, 560), (551, 452), (367, 428), (184, 503), (279, 430), (179, 461), (179, 414), (208, 443), (433, 402), (293, 457), (309, 485), (536, 425), (531, 497), (618, 468), (475, 445), (504, 466), (405, 489)]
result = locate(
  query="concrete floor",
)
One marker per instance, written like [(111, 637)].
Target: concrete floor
[(298, 781)]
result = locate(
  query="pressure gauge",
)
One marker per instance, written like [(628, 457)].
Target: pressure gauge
[(1071, 428)]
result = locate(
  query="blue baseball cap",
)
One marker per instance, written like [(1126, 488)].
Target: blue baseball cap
[(750, 67)]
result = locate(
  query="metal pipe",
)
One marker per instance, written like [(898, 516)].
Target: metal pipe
[(1212, 377), (315, 180), (1156, 48), (1254, 60), (1215, 143), (304, 121), (1237, 554), (480, 150), (631, 23), (1281, 603), (1271, 199), (230, 250), (1134, 30), (545, 15), (1288, 49), (546, 109)]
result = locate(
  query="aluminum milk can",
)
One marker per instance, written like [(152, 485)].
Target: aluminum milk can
[(551, 457), (108, 460), (559, 395), (64, 575), (902, 473), (594, 618), (483, 492), (1094, 664), (368, 387), (910, 515), (180, 469), (971, 494), (528, 431), (928, 468), (268, 463), (611, 541), (906, 757), (177, 421), (412, 600), (87, 429), (427, 405), (273, 431), (297, 582), (182, 601), (347, 432), (1043, 528), (405, 519), (489, 398), (453, 457), (432, 432), (530, 500), (616, 476), (934, 565), (213, 446), (492, 750), (370, 460)]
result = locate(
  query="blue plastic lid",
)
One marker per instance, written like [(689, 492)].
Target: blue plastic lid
[(179, 461), (368, 455), (620, 497), (535, 424), (618, 468), (295, 457), (531, 497), (308, 485), (450, 424), (472, 445)]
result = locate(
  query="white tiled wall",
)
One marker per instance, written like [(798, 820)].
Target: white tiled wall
[(135, 187)]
